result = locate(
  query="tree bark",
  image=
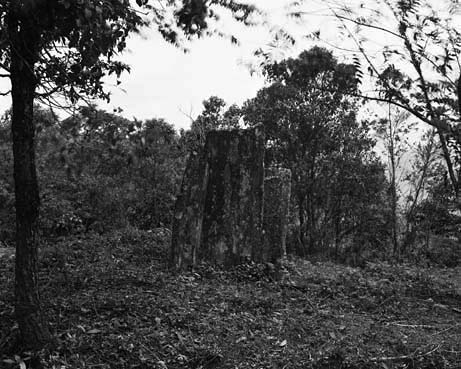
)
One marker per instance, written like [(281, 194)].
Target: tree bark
[(459, 95), (394, 198), (451, 171), (392, 136), (24, 43), (302, 226)]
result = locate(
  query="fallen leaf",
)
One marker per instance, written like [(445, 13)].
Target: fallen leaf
[(243, 338), (162, 364), (94, 331)]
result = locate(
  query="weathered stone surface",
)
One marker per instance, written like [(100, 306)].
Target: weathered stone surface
[(188, 212), (218, 214), (232, 222), (277, 192)]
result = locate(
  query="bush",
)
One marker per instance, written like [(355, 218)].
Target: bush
[(143, 246), (444, 251)]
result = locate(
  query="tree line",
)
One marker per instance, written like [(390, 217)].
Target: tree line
[(99, 171)]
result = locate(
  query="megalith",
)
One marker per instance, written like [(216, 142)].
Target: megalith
[(277, 192), (219, 211), (188, 212)]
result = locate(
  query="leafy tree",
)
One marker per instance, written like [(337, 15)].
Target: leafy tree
[(157, 172), (436, 222), (419, 68), (426, 166), (94, 139), (393, 132), (213, 116), (67, 47), (436, 213), (44, 119), (98, 172), (140, 162), (311, 128)]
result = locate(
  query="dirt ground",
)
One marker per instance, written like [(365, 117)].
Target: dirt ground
[(113, 304)]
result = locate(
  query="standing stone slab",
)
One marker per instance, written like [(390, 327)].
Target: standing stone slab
[(277, 192), (188, 212), (219, 212), (232, 222)]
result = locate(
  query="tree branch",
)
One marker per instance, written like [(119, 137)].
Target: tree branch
[(4, 67), (434, 123), (368, 25)]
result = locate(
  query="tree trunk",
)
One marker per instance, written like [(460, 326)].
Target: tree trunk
[(302, 225), (337, 234), (410, 232), (24, 42), (451, 171), (458, 139), (459, 96), (395, 240), (392, 152)]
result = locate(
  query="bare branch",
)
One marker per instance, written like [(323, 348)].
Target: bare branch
[(187, 115), (436, 123), (4, 67), (367, 25), (403, 357)]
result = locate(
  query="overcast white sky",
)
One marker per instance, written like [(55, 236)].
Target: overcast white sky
[(166, 82)]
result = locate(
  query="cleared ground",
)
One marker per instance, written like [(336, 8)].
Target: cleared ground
[(113, 304)]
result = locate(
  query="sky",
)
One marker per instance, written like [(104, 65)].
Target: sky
[(167, 83)]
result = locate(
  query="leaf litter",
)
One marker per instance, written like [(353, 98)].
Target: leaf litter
[(115, 305)]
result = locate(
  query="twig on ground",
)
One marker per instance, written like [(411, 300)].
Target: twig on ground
[(403, 357), (413, 325), (446, 329)]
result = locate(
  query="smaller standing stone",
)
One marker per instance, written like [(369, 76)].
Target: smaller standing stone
[(277, 192)]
